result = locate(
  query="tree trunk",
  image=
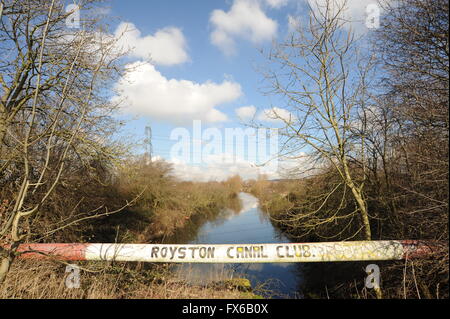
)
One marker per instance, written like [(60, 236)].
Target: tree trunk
[(3, 128), (363, 211), (357, 195), (5, 264), (6, 258)]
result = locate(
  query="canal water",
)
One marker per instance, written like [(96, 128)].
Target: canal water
[(250, 225)]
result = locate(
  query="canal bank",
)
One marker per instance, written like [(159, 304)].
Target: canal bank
[(249, 225)]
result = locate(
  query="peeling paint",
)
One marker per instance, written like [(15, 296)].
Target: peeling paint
[(237, 253)]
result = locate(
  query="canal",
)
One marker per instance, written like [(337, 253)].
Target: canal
[(249, 225)]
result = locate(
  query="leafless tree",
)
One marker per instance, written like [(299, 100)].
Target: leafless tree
[(55, 111), (324, 79), (413, 51)]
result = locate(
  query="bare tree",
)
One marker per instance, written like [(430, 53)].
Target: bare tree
[(413, 50), (55, 111), (323, 78)]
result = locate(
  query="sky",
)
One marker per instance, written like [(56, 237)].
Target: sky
[(196, 66)]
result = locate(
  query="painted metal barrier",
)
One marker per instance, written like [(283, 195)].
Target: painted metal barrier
[(237, 253)]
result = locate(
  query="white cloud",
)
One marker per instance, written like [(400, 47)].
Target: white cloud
[(244, 20), (219, 167), (166, 47), (293, 23), (147, 92), (354, 11), (276, 115), (246, 112), (277, 3)]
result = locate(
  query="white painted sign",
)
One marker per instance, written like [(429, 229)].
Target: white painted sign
[(251, 253), (238, 253)]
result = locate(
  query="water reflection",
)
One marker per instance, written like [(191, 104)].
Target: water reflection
[(250, 225)]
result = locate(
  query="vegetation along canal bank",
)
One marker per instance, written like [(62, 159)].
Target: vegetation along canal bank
[(358, 144)]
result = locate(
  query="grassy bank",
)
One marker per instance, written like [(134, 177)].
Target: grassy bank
[(299, 209), (161, 206), (164, 206), (46, 280)]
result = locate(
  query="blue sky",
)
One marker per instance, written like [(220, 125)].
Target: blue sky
[(204, 65)]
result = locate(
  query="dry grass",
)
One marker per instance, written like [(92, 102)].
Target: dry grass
[(46, 280), (286, 200), (166, 205)]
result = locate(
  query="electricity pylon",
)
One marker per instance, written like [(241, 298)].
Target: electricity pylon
[(148, 145)]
